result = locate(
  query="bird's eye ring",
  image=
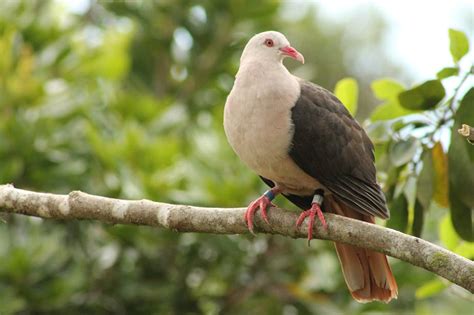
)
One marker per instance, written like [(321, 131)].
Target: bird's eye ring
[(268, 42)]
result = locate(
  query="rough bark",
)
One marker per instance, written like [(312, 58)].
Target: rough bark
[(183, 218)]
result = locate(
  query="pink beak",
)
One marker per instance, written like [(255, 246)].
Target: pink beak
[(292, 53)]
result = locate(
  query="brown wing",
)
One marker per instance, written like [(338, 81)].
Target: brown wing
[(332, 147)]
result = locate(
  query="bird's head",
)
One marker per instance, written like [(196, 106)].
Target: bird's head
[(270, 45)]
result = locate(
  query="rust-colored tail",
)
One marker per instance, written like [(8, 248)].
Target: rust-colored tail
[(367, 273)]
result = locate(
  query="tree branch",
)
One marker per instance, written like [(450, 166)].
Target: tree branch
[(467, 132), (182, 218)]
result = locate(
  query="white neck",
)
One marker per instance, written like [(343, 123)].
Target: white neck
[(258, 72)]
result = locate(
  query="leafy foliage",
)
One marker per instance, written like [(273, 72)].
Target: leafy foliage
[(418, 153), (125, 99)]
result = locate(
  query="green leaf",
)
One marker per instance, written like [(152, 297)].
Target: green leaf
[(461, 174), (393, 174), (440, 165), (403, 151), (398, 213), (347, 91), (423, 97), (379, 132), (429, 289), (461, 169), (418, 218), (399, 124), (447, 72), (447, 234), (386, 89), (461, 216), (389, 110), (458, 44), (465, 115), (425, 181)]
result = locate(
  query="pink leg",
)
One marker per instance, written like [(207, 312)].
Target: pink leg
[(263, 203), (312, 212)]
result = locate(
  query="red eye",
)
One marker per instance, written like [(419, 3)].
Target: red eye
[(268, 42)]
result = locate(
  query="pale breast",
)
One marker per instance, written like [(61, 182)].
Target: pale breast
[(257, 122)]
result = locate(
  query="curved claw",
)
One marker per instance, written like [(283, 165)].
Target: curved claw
[(312, 212), (263, 203)]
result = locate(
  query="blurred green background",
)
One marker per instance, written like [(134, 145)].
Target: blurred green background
[(125, 99)]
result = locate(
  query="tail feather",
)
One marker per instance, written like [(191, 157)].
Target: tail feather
[(367, 273)]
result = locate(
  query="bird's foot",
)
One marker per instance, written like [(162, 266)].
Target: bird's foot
[(263, 203), (311, 213)]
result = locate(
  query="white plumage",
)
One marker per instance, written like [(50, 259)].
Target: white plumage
[(257, 116)]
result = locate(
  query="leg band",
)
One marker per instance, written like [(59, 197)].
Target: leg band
[(269, 194), (318, 199)]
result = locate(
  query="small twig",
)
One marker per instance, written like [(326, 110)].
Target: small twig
[(467, 132), (456, 90), (450, 108)]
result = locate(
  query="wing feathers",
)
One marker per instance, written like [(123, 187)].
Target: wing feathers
[(332, 147), (365, 196)]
